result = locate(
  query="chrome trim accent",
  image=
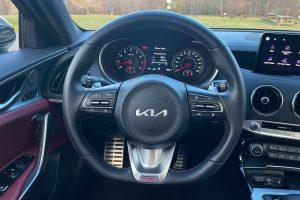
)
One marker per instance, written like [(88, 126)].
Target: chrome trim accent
[(9, 101), (272, 132), (266, 114), (55, 100), (150, 165), (282, 167), (276, 167), (41, 156), (259, 193), (214, 75), (293, 104)]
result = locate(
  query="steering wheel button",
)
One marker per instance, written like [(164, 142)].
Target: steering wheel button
[(95, 102), (109, 95), (96, 95), (86, 102), (210, 106), (105, 110), (104, 102), (200, 106), (195, 97)]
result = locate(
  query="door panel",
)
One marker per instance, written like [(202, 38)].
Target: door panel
[(16, 132), (18, 137)]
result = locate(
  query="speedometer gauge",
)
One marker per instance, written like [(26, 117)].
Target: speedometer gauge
[(130, 62), (188, 65)]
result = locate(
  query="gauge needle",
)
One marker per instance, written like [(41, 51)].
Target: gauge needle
[(184, 67), (129, 62)]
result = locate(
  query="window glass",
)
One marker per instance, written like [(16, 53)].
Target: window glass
[(245, 14), (10, 13)]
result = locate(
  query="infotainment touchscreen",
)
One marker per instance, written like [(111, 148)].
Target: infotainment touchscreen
[(279, 54)]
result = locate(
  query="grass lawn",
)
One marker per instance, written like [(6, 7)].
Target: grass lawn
[(93, 22)]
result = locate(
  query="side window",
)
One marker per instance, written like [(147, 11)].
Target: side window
[(9, 26)]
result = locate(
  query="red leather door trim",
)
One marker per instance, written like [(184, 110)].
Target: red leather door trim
[(16, 133), (17, 137)]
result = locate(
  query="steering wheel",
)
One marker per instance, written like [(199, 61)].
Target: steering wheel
[(153, 111)]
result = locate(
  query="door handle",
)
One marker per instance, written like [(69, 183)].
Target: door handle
[(9, 101)]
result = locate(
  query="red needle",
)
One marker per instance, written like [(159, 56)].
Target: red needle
[(184, 67), (129, 62)]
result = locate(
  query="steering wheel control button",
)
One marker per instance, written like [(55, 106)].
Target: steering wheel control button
[(99, 103), (109, 95), (205, 106), (222, 85)]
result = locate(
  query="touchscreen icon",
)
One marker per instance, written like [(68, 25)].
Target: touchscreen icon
[(270, 59), (272, 48), (284, 60)]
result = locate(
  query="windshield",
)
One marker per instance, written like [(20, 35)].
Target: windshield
[(237, 14)]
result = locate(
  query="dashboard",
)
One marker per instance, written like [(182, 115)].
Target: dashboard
[(186, 60), (272, 97)]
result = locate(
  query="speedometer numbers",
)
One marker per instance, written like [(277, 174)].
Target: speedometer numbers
[(130, 62), (188, 65)]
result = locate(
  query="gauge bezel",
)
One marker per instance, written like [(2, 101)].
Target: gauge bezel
[(144, 57), (202, 58)]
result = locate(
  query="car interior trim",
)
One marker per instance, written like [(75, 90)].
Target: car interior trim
[(40, 158), (266, 114), (272, 132), (57, 54), (259, 193), (293, 104)]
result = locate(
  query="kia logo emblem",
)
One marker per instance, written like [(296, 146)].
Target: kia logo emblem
[(151, 113)]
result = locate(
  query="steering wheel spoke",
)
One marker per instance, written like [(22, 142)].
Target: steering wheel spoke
[(205, 104), (100, 101), (150, 165)]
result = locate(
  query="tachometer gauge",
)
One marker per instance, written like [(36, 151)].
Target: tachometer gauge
[(130, 62), (188, 65)]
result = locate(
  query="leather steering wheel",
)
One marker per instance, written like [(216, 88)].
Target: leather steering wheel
[(152, 111)]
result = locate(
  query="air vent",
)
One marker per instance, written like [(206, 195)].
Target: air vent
[(57, 82), (296, 104), (266, 100)]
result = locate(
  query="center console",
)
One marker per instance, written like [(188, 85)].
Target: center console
[(270, 144)]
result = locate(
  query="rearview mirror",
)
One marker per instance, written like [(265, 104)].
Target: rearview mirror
[(7, 35)]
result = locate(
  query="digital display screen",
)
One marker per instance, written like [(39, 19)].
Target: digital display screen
[(158, 59), (279, 54)]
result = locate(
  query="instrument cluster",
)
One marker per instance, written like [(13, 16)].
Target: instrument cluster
[(189, 62)]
